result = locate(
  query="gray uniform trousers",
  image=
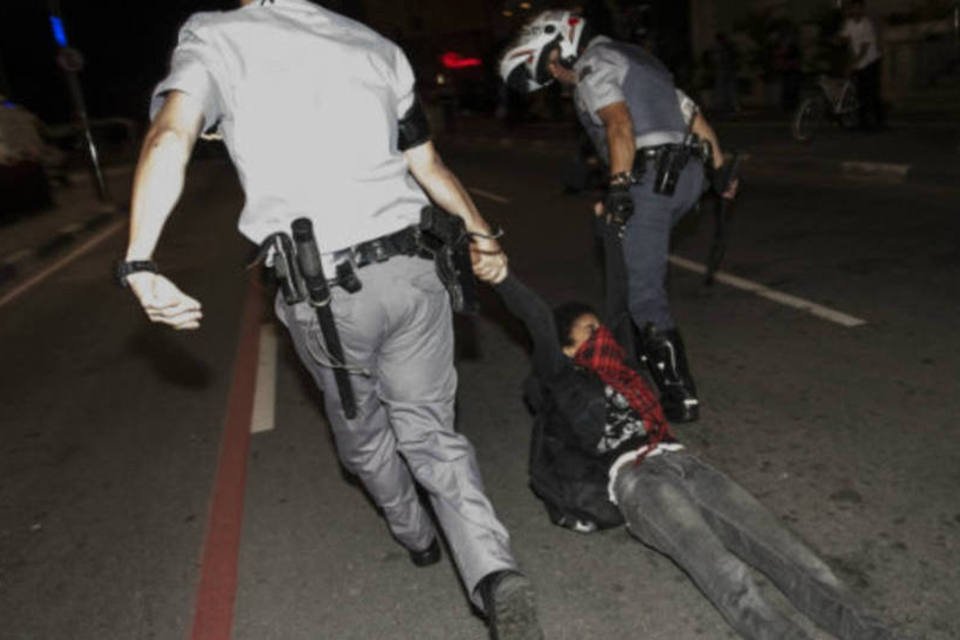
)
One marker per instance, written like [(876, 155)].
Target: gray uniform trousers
[(398, 328), (713, 528), (646, 242)]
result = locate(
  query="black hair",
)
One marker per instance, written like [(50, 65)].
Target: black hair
[(565, 315)]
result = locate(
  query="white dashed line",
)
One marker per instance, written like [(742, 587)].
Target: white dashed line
[(70, 229), (771, 294), (489, 196), (16, 256), (264, 397)]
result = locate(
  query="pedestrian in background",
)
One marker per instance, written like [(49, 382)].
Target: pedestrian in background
[(725, 65), (867, 59)]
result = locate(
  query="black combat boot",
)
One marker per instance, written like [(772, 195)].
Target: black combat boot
[(666, 359)]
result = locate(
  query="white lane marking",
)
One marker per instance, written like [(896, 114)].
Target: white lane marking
[(488, 195), (16, 256), (42, 275), (895, 173), (771, 294), (265, 394), (70, 229)]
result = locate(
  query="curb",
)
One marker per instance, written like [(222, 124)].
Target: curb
[(77, 175), (13, 264)]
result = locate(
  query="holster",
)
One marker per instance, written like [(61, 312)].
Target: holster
[(285, 267), (444, 238), (670, 164), (299, 272)]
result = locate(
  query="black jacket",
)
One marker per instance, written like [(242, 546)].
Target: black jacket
[(569, 407)]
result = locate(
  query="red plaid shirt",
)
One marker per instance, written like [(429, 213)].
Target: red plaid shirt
[(603, 355)]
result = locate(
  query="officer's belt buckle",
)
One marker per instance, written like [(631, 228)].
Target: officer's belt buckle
[(378, 250)]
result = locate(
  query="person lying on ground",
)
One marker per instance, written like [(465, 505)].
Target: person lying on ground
[(602, 453)]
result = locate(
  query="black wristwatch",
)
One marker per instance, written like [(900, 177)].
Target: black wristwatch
[(126, 267)]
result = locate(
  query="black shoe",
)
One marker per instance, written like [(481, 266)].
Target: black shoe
[(427, 557), (510, 606), (666, 359)]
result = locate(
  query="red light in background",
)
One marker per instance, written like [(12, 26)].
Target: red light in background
[(453, 60)]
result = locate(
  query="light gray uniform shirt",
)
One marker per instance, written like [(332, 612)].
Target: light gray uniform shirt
[(609, 72), (308, 103)]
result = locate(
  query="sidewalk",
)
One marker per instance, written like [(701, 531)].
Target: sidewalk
[(33, 239)]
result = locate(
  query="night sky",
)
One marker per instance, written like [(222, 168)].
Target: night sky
[(126, 45)]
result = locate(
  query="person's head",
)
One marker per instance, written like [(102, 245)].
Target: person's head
[(576, 323), (544, 50)]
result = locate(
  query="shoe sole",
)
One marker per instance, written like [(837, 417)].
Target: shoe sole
[(515, 611)]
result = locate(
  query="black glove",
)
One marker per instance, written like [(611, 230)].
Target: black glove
[(617, 204)]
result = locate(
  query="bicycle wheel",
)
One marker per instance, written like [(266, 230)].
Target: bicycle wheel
[(809, 115)]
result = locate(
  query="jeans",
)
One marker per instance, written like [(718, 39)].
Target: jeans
[(646, 242), (872, 113), (713, 528)]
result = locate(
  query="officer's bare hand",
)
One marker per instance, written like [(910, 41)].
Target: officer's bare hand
[(163, 302), (489, 260), (731, 191)]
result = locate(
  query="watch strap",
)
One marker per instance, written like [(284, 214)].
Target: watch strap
[(125, 267)]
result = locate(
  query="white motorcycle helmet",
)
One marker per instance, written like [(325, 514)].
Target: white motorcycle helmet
[(523, 66)]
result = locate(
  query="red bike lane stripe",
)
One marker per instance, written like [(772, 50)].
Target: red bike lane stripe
[(217, 590)]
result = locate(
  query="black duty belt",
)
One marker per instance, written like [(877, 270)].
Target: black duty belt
[(645, 154), (400, 243)]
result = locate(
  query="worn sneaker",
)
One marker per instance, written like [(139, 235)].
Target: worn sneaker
[(510, 606)]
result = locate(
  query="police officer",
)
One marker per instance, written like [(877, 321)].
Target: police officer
[(320, 117), (649, 134)]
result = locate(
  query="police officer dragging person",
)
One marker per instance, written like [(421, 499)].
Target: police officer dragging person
[(655, 143), (333, 151)]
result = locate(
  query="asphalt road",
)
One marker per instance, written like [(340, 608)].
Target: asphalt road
[(110, 428)]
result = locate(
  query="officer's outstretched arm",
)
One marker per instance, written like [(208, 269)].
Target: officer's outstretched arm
[(620, 138), (157, 185), (447, 192)]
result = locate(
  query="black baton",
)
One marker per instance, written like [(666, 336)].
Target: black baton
[(318, 292), (721, 216), (718, 248)]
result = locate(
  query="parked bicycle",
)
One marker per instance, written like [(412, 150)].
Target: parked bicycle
[(835, 99)]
